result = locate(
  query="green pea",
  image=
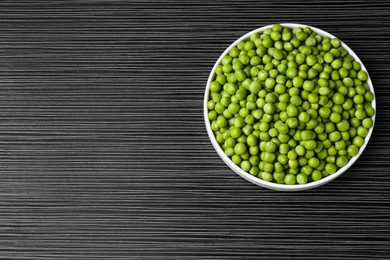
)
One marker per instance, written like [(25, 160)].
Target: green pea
[(301, 178), (362, 75), (330, 168), (367, 123), (358, 141), (240, 148), (297, 97), (290, 179)]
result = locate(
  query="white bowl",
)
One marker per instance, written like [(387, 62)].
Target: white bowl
[(248, 176)]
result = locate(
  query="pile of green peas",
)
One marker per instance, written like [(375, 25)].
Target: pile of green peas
[(290, 106)]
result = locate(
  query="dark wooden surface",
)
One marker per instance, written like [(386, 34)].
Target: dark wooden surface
[(104, 153)]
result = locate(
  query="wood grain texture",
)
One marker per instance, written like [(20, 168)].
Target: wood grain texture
[(104, 153)]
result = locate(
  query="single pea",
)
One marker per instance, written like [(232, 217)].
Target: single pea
[(249, 45), (368, 96), (290, 179), (300, 150), (334, 136), (335, 117), (235, 132), (360, 114), (353, 150), (243, 112), (270, 83), (316, 175), (338, 98), (269, 108), (345, 136), (254, 150), (240, 148), (296, 101), (273, 132), (279, 176), (292, 110), (311, 60), (329, 127), (258, 113), (341, 161), (362, 75), (270, 98), (236, 159), (324, 91), (245, 165), (354, 121), (310, 145), (304, 117), (270, 147), (340, 145), (267, 176), (343, 125), (336, 64), (291, 72), (241, 139), (314, 162), (367, 123), (230, 142), (358, 141), (221, 121), (330, 168), (255, 87), (324, 112), (292, 122), (302, 178), (370, 111), (247, 130), (225, 101), (211, 104), (251, 140)]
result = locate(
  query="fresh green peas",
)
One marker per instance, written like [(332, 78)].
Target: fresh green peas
[(290, 106)]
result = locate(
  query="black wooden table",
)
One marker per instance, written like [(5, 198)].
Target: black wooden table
[(104, 152)]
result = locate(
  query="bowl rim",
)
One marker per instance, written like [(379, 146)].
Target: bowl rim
[(256, 180)]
